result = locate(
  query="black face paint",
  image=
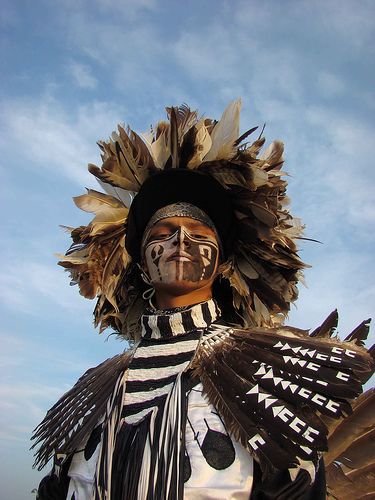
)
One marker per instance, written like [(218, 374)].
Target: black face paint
[(181, 256)]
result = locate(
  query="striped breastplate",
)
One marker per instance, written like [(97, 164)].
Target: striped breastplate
[(169, 341)]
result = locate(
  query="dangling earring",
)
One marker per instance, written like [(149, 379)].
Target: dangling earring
[(147, 294)]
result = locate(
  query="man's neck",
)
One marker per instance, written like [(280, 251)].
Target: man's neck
[(166, 301)]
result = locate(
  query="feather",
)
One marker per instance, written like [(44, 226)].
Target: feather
[(266, 230), (125, 159), (108, 219), (126, 197), (273, 155), (188, 149), (257, 177), (350, 462), (143, 160), (234, 277), (246, 134), (225, 133), (332, 354), (78, 411), (174, 146), (328, 327), (112, 272), (360, 333), (254, 149), (109, 174), (246, 268), (158, 145), (349, 430), (253, 374), (295, 389), (185, 119), (225, 174), (201, 146), (94, 201), (238, 422), (263, 214)]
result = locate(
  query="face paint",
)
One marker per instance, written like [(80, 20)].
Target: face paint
[(181, 254)]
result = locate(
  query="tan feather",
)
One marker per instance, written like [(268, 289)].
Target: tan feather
[(347, 431), (115, 264), (110, 174), (203, 143), (143, 161), (108, 219), (185, 119), (252, 151), (158, 147), (230, 272), (258, 177), (350, 461), (94, 201), (273, 155)]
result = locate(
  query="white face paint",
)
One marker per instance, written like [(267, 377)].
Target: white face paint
[(181, 249)]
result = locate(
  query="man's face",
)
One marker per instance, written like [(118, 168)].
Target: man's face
[(181, 253)]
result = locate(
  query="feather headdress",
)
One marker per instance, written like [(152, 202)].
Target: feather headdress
[(263, 268)]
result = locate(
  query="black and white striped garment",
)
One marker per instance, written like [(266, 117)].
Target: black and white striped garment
[(169, 341), (143, 444)]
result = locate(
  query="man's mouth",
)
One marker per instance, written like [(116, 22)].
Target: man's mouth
[(181, 257)]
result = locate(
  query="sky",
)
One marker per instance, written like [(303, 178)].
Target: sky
[(72, 70)]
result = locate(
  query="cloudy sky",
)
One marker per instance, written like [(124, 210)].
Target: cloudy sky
[(73, 69)]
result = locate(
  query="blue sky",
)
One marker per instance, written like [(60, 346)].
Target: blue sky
[(71, 70)]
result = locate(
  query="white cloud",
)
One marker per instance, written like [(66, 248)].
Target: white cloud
[(339, 280), (22, 406), (128, 9), (58, 139), (353, 21), (82, 75), (29, 287), (330, 84), (24, 395), (344, 163)]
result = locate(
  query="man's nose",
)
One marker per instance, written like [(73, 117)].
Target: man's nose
[(181, 239)]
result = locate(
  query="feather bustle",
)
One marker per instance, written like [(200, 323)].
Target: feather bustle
[(252, 375)]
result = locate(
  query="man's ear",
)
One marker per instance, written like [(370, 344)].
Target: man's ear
[(142, 264)]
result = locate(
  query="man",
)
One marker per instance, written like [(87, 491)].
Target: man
[(215, 400)]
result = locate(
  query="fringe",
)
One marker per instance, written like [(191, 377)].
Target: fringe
[(144, 461)]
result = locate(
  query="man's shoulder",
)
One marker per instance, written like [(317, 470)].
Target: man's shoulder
[(107, 368), (78, 411)]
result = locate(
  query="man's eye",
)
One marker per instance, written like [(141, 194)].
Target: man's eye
[(199, 236), (160, 236)]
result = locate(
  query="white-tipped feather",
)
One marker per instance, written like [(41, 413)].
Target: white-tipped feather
[(126, 197), (225, 133), (160, 150), (273, 154)]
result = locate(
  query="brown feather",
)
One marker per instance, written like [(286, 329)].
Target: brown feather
[(328, 327)]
